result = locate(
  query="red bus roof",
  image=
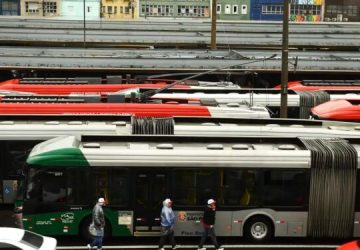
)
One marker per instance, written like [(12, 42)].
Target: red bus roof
[(341, 110), (308, 85), (137, 109), (66, 89)]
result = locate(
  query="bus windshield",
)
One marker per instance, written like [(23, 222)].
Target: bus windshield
[(46, 186)]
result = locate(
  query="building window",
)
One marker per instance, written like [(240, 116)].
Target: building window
[(9, 8), (127, 10), (121, 9), (193, 11), (235, 9), (305, 9), (351, 10), (32, 7), (244, 9), (333, 9), (109, 9), (272, 9), (218, 9), (50, 7), (227, 9)]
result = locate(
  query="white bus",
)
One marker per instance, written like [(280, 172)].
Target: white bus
[(264, 187), (19, 134)]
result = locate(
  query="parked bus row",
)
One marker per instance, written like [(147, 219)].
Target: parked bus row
[(215, 99)]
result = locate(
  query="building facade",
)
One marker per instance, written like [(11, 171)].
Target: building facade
[(300, 10), (74, 9), (262, 10), (266, 10), (306, 10), (174, 8), (233, 10), (119, 9), (342, 11), (40, 8)]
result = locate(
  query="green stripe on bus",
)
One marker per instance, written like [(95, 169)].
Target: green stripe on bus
[(67, 157)]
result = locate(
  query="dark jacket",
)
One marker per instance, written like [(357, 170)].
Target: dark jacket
[(98, 216), (209, 216)]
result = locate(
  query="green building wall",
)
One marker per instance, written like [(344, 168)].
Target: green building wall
[(233, 10)]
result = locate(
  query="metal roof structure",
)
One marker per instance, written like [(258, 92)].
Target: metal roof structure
[(151, 60)]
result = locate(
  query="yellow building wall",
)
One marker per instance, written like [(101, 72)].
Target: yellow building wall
[(119, 9), (40, 8)]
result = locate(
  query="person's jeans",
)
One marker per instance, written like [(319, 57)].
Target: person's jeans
[(166, 232), (211, 233), (97, 242)]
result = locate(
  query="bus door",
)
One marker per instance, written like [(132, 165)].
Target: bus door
[(150, 191)]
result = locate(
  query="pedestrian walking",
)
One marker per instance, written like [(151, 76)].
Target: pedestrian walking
[(208, 222), (98, 221), (167, 225)]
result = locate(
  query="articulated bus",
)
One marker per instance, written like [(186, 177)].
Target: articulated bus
[(18, 134), (264, 187)]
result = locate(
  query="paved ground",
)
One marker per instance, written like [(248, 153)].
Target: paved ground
[(7, 220)]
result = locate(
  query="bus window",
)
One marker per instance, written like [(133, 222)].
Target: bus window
[(101, 184), (232, 187), (53, 187), (249, 195), (33, 191), (240, 187), (194, 187), (111, 184), (118, 188), (142, 189), (285, 188), (79, 194), (159, 190)]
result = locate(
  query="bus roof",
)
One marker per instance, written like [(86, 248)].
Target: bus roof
[(170, 151), (32, 130), (226, 127), (184, 151)]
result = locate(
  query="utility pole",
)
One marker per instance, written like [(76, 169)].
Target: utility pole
[(84, 25), (43, 7), (284, 62), (213, 25)]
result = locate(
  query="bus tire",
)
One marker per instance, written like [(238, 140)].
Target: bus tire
[(84, 229), (107, 232), (259, 229)]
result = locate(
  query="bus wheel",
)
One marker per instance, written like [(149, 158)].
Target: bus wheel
[(84, 229), (108, 232), (258, 229)]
